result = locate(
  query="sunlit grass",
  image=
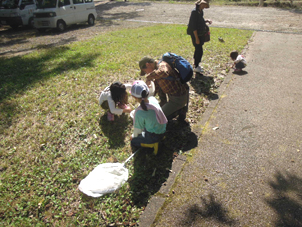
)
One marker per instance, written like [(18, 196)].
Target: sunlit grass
[(53, 133)]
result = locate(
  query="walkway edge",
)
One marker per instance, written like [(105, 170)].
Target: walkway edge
[(155, 204)]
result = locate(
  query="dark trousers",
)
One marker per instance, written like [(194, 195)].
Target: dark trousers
[(147, 138), (198, 53), (239, 65)]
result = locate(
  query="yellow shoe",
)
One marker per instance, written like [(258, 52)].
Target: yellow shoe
[(155, 148), (151, 145)]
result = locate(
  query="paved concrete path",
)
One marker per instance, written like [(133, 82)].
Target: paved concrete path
[(254, 18), (249, 171)]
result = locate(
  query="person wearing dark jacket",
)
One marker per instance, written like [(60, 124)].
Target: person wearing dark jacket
[(197, 30)]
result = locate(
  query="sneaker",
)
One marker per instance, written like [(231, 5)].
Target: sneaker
[(110, 116), (198, 69), (237, 70)]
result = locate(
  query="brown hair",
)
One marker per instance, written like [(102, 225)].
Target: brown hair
[(234, 54), (143, 104), (119, 93)]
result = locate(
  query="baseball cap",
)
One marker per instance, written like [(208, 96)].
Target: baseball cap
[(142, 63), (138, 87)]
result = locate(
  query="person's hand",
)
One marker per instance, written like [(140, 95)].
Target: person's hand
[(197, 41), (209, 21), (127, 109)]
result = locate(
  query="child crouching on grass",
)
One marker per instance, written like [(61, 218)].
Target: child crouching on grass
[(114, 99), (239, 61), (149, 121)]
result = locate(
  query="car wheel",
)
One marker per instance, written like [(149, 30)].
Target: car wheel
[(91, 20), (61, 26)]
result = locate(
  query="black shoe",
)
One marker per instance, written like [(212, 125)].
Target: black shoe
[(181, 117)]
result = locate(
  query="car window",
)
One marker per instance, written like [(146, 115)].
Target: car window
[(78, 1), (27, 2)]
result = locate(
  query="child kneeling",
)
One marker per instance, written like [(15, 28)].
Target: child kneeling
[(239, 61), (149, 121), (114, 99)]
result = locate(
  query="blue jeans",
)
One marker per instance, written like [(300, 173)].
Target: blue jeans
[(147, 138)]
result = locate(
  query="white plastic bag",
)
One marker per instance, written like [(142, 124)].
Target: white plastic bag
[(105, 178)]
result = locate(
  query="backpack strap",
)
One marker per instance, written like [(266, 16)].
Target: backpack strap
[(172, 78)]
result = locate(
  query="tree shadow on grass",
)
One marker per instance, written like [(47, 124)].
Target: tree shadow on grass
[(209, 209), (103, 8), (19, 74), (287, 199), (115, 130)]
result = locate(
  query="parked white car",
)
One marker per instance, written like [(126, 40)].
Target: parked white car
[(17, 12), (61, 13)]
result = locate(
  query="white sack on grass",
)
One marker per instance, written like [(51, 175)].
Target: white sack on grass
[(103, 179)]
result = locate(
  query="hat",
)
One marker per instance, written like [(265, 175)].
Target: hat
[(202, 2), (142, 64), (138, 87)]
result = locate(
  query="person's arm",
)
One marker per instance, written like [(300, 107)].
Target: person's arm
[(136, 132), (112, 107), (127, 109), (238, 59), (194, 25), (128, 86), (138, 126), (104, 95), (208, 21), (197, 41), (159, 73), (102, 98)]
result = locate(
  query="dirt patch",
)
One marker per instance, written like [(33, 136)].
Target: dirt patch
[(25, 40), (116, 15)]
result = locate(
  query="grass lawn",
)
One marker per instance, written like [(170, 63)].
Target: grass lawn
[(53, 133)]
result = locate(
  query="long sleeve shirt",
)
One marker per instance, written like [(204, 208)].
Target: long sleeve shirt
[(197, 22), (106, 96), (170, 87)]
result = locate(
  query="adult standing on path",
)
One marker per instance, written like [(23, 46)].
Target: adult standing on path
[(197, 30)]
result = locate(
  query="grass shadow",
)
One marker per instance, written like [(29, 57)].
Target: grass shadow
[(180, 137), (152, 171), (203, 84), (107, 19), (210, 209), (115, 130), (287, 199)]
